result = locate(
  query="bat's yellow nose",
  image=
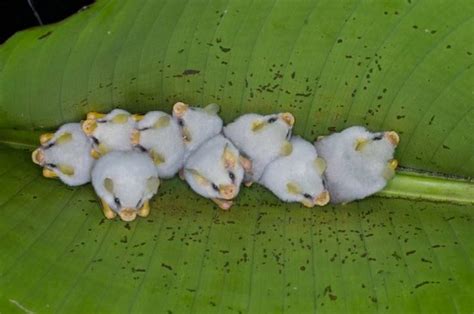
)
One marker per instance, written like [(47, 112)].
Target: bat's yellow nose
[(322, 199), (227, 191), (393, 137), (288, 118), (128, 214), (38, 156), (179, 109)]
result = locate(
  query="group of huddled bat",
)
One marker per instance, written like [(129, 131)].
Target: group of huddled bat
[(126, 155)]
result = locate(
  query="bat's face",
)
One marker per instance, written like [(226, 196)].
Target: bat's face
[(308, 189), (109, 131), (375, 145), (281, 123), (309, 196), (149, 122), (223, 180), (49, 156), (127, 196), (196, 124), (65, 154)]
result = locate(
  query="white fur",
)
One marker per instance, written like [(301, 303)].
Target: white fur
[(202, 125), (261, 146), (114, 136), (129, 172), (298, 167), (354, 174), (75, 153), (208, 161), (167, 141)]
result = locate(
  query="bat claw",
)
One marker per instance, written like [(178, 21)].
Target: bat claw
[(135, 137)]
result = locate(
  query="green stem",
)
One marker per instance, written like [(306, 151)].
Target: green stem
[(411, 185)]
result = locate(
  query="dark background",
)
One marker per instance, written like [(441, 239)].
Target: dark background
[(16, 15)]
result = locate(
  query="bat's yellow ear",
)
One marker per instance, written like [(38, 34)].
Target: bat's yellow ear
[(179, 109), (95, 115), (137, 117), (162, 122), (66, 169), (109, 185), (286, 149), (229, 158), (257, 125), (121, 118), (95, 154), (246, 163), (293, 188), (48, 173), (393, 164), (320, 165), (212, 109), (145, 210), (46, 137), (64, 138), (360, 143), (158, 159), (152, 185), (197, 176)]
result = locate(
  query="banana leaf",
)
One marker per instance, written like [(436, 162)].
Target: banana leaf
[(403, 65)]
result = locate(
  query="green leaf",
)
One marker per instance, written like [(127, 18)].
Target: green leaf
[(325, 62), (403, 65), (60, 254)]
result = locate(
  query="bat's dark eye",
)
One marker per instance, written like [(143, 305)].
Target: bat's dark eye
[(288, 134), (215, 187), (271, 120), (139, 204), (95, 140), (144, 129), (49, 145), (180, 122), (231, 176), (143, 149), (307, 196), (51, 165), (117, 201), (101, 121), (378, 137)]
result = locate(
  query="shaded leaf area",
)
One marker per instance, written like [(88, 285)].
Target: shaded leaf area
[(402, 65), (59, 254)]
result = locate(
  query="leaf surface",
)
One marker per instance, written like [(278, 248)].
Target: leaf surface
[(402, 65)]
